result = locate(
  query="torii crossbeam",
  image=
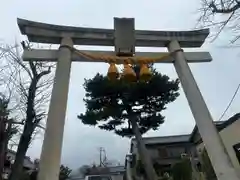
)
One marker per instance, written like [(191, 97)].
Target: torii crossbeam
[(124, 38)]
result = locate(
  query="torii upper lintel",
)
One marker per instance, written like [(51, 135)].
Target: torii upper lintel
[(52, 34)]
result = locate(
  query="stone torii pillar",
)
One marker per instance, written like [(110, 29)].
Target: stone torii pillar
[(52, 145), (219, 158), (66, 35)]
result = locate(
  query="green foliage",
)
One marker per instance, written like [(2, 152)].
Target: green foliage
[(4, 112), (63, 174), (140, 168), (158, 168), (25, 176), (33, 175), (5, 120), (111, 104), (6, 130), (207, 165), (182, 170)]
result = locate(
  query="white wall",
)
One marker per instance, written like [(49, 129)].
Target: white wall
[(230, 136)]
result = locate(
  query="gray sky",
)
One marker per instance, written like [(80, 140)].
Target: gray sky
[(217, 80)]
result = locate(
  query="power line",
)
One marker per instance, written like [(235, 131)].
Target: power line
[(230, 103)]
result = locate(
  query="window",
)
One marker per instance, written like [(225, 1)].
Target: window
[(162, 152), (236, 148), (176, 152)]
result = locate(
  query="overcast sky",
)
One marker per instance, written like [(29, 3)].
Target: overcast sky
[(217, 80)]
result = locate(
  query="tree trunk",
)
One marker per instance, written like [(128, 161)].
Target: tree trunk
[(2, 146), (143, 152), (20, 155), (2, 158)]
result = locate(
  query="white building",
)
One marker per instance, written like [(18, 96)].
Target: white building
[(167, 150)]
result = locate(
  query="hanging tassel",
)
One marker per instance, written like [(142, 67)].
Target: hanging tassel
[(145, 74), (128, 73), (113, 73)]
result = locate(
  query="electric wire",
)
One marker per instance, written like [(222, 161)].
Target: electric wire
[(230, 103)]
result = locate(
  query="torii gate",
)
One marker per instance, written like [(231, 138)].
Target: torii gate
[(124, 38)]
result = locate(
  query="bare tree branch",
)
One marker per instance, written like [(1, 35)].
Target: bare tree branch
[(221, 15), (30, 84), (231, 6)]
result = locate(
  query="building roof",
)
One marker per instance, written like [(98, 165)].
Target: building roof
[(229, 121), (78, 174), (165, 139), (220, 125), (187, 137), (27, 163), (116, 169)]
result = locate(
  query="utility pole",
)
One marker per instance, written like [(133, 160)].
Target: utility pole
[(102, 157)]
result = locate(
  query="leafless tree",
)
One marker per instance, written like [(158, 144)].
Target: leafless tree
[(30, 86), (222, 15), (8, 126), (7, 130)]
